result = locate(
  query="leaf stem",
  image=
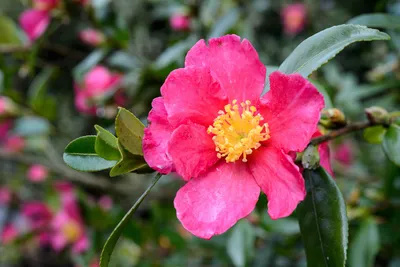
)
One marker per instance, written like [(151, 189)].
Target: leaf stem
[(113, 239)]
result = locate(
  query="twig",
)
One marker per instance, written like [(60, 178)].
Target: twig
[(345, 130)]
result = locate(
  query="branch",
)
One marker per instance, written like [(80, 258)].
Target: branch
[(345, 130)]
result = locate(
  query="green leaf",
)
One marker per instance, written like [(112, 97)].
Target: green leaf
[(31, 125), (241, 243), (224, 24), (113, 239), (130, 131), (365, 245), (391, 143), (128, 163), (37, 98), (9, 32), (377, 20), (323, 46), (323, 221), (80, 155), (375, 134), (174, 52), (106, 145)]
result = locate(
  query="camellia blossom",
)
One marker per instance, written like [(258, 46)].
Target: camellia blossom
[(34, 23), (180, 22), (97, 82), (294, 18), (9, 234), (92, 37), (212, 126), (46, 5), (37, 213), (14, 144), (67, 225), (5, 127), (37, 173)]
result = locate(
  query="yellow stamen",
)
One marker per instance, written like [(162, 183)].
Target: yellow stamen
[(237, 131), (71, 231)]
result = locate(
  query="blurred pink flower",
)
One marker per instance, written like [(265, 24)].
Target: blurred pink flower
[(180, 22), (38, 214), (294, 18), (5, 195), (37, 173), (34, 23), (8, 234), (95, 262), (96, 83), (344, 154), (14, 144), (106, 203), (45, 5), (67, 225), (3, 105), (92, 37), (5, 127)]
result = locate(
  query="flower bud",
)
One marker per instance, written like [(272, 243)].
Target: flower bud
[(294, 18), (310, 159), (377, 115), (333, 118), (180, 22), (92, 37)]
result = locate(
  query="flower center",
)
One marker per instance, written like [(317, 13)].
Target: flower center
[(237, 131), (71, 231)]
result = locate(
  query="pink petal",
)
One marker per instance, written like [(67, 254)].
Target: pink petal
[(34, 23), (192, 94), (81, 245), (233, 63), (156, 137), (292, 109), (324, 154), (213, 202), (192, 150), (279, 178)]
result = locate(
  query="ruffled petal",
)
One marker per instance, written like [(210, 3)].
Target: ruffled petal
[(233, 63), (192, 94), (279, 178), (212, 203), (192, 150), (292, 110), (156, 137)]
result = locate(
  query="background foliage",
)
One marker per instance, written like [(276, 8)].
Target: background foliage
[(142, 46)]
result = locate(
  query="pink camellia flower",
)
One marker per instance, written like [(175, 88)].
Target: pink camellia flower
[(294, 18), (324, 154), (38, 214), (92, 37), (67, 225), (180, 22), (8, 234), (106, 203), (212, 126), (14, 144), (97, 82), (5, 196), (344, 154), (34, 23), (5, 127), (45, 5), (37, 173)]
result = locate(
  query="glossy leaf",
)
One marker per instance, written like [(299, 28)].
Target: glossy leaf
[(323, 46), (113, 239), (323, 221), (377, 20), (391, 143), (80, 155), (106, 145), (241, 243), (128, 163), (225, 23), (173, 53), (365, 245), (9, 32), (129, 131), (374, 135)]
